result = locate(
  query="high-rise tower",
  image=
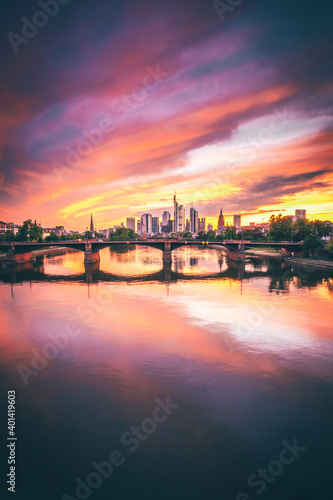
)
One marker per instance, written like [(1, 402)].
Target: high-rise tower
[(176, 214)]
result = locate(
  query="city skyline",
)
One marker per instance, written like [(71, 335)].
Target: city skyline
[(192, 222), (101, 130)]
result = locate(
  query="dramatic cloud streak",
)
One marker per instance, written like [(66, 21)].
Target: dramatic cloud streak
[(114, 106)]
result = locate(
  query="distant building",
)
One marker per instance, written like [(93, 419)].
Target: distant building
[(5, 226), (146, 224), (175, 214), (210, 227), (58, 230), (202, 224), (130, 223), (194, 220), (138, 226), (155, 225), (237, 221), (91, 224), (181, 219), (171, 226), (188, 226), (105, 232), (300, 214), (220, 223), (179, 216), (166, 216)]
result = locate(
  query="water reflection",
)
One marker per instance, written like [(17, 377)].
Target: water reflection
[(131, 264), (245, 349)]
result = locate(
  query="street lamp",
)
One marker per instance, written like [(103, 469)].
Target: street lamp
[(292, 235)]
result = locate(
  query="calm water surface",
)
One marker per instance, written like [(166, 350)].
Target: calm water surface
[(242, 352)]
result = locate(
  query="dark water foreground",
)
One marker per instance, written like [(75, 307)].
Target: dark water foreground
[(199, 381)]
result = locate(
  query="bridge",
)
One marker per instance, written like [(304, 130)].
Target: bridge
[(22, 251)]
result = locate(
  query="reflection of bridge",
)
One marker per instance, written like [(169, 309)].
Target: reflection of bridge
[(33, 272), (22, 252)]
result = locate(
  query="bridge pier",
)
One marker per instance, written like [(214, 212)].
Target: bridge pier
[(237, 255), (167, 258), (167, 252), (89, 255)]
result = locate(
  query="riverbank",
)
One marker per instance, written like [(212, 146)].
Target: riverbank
[(48, 252), (323, 264)]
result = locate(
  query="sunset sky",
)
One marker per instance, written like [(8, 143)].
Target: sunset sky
[(111, 107)]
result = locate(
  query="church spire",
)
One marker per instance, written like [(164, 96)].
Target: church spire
[(220, 223), (91, 223)]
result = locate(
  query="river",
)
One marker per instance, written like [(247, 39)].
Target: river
[(137, 382)]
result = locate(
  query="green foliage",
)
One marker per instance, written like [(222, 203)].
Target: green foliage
[(302, 228), (188, 234), (280, 228), (75, 236), (311, 242), (284, 229), (254, 234), (22, 233), (7, 236), (123, 233), (35, 232), (211, 235), (329, 248), (202, 235), (53, 237), (230, 233)]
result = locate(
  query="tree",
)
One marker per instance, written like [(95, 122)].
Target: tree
[(311, 243), (123, 233), (280, 228), (75, 236), (7, 236), (211, 235), (320, 228), (329, 248), (53, 237), (22, 233), (202, 235), (230, 233), (35, 232), (302, 227)]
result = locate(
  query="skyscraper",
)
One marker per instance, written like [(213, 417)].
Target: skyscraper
[(155, 225), (202, 224), (181, 218), (166, 216), (194, 220), (91, 224), (175, 214), (237, 221), (130, 223), (146, 224)]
